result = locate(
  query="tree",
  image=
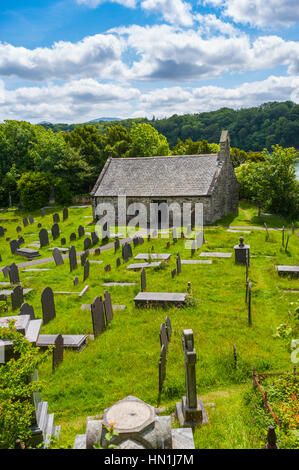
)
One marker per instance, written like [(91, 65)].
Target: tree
[(35, 188), (146, 142)]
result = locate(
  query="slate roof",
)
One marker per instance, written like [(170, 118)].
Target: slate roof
[(186, 175)]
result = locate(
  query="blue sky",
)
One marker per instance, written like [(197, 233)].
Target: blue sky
[(77, 60)]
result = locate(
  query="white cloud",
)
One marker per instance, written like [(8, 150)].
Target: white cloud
[(261, 13), (173, 11), (95, 3), (210, 24), (86, 99)]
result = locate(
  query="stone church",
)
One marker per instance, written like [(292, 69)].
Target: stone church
[(207, 179)]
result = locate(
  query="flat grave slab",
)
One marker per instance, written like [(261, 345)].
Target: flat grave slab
[(214, 254), (33, 330), (292, 271), (8, 292), (66, 292), (114, 307), (27, 253), (238, 231), (196, 261), (160, 256), (120, 284), (159, 299), (77, 342), (95, 261), (137, 266), (30, 270), (60, 248)]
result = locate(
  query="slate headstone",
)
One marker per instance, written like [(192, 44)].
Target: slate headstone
[(162, 367), (63, 241), (57, 351), (5, 271), (168, 328), (27, 309), (173, 273), (65, 213), (118, 262), (31, 220), (116, 245), (73, 258), (48, 305), (14, 245), (97, 251), (19, 229), (83, 258), (178, 263), (73, 237), (55, 231), (94, 238), (21, 240), (14, 274), (86, 270), (98, 316), (17, 297), (56, 218), (25, 221), (81, 231), (57, 257), (1, 231), (163, 336), (108, 307), (43, 237), (107, 268), (143, 280), (87, 243), (76, 281)]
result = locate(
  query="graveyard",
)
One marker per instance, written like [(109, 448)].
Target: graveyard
[(208, 294)]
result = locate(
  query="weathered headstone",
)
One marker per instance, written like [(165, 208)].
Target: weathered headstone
[(39, 225), (57, 351), (163, 336), (76, 281), (173, 273), (81, 231), (27, 309), (87, 243), (107, 268), (178, 263), (19, 229), (5, 271), (73, 258), (1, 231), (48, 305), (98, 316), (126, 251), (14, 274), (25, 221), (168, 328), (63, 241), (56, 218), (31, 220), (65, 213), (193, 247), (108, 307), (14, 245), (167, 245), (86, 270), (162, 367), (17, 297), (143, 280), (286, 247), (21, 241), (57, 257), (116, 245), (55, 231), (242, 252), (282, 236), (249, 305), (97, 251), (94, 238), (73, 237), (118, 262), (43, 237)]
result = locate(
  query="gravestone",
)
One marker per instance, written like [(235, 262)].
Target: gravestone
[(86, 270), (81, 231), (14, 245), (168, 328), (27, 309), (282, 236), (189, 230), (162, 367), (126, 251), (116, 245), (76, 281), (241, 252), (43, 237), (271, 439), (174, 235), (163, 336), (57, 257), (149, 237), (39, 225), (287, 243), (73, 237), (55, 231), (118, 262), (43, 212), (173, 273), (31, 220), (190, 411), (135, 241), (249, 305), (193, 247), (107, 268), (65, 213), (87, 243), (63, 241), (83, 258), (48, 305), (57, 352), (1, 231), (19, 229), (14, 274), (21, 240), (143, 280), (56, 218), (73, 258), (108, 307), (178, 263), (17, 297), (5, 271), (25, 221), (94, 238), (97, 251), (98, 316), (167, 245)]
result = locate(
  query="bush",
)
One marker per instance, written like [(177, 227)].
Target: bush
[(62, 191), (35, 188)]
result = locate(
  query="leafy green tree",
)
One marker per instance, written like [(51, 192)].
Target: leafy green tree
[(35, 188), (16, 405), (147, 142)]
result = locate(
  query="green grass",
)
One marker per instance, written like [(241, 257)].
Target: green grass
[(124, 359)]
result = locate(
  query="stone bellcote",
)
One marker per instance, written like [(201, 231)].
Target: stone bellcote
[(224, 153)]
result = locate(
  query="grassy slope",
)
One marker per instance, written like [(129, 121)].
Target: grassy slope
[(124, 360)]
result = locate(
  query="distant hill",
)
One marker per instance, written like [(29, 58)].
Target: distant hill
[(107, 119)]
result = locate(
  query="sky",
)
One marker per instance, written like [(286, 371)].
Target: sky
[(77, 60)]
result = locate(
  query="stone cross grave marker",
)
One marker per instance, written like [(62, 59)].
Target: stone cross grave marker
[(43, 237), (14, 274), (27, 309), (48, 305), (81, 231), (98, 316), (57, 257), (17, 297), (55, 231), (57, 352), (86, 270), (14, 246), (73, 258), (143, 280), (65, 213), (163, 336), (108, 307), (162, 367), (178, 263), (56, 218)]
